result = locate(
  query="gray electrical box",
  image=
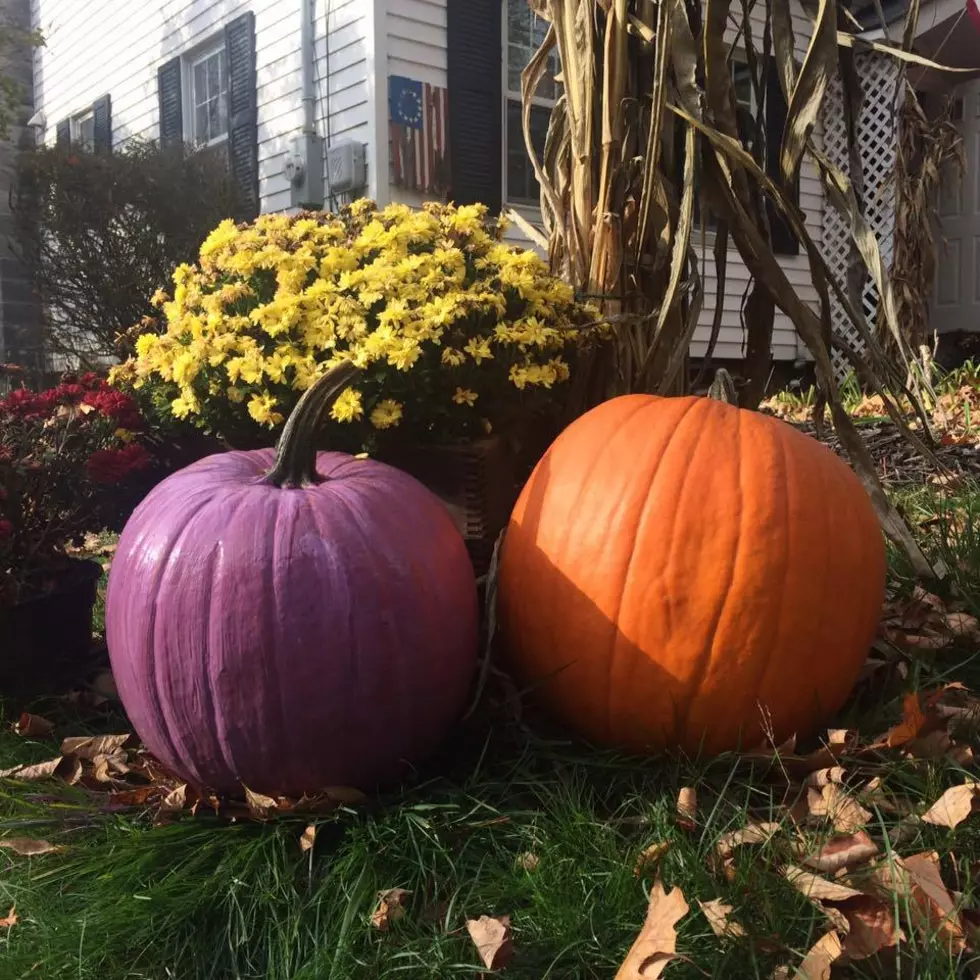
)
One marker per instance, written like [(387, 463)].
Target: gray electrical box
[(303, 168), (345, 167)]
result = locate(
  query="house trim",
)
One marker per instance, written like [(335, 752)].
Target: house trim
[(377, 85)]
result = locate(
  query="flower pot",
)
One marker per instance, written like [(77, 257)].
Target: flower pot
[(47, 639), (475, 480)]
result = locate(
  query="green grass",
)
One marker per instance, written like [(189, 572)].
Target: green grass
[(209, 900)]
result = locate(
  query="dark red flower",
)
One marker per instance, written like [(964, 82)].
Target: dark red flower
[(70, 392), (6, 529), (116, 405), (114, 465), (91, 381), (6, 453), (24, 404)]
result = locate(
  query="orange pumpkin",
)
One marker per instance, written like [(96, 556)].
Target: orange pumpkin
[(680, 573)]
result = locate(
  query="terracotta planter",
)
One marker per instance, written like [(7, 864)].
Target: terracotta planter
[(475, 480), (46, 640)]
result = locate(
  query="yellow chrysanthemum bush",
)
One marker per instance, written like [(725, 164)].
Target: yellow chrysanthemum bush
[(457, 332)]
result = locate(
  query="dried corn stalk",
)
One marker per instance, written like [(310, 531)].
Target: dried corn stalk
[(647, 113)]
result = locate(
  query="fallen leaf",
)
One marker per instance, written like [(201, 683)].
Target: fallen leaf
[(954, 806), (718, 914), (752, 833), (345, 795), (528, 861), (823, 777), (650, 857), (133, 797), (32, 726), (260, 806), (26, 847), (41, 770), (930, 894), (391, 908), (656, 945), (816, 888), (491, 936), (10, 919), (90, 746), (962, 624), (687, 808), (843, 811), (871, 927), (913, 724), (819, 961), (308, 838), (175, 800), (842, 852)]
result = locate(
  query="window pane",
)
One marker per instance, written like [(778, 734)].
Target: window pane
[(217, 123), (200, 85), (519, 22), (522, 185), (214, 75), (201, 123), (516, 60)]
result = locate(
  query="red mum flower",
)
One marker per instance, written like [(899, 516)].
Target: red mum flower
[(6, 529), (114, 465), (116, 405)]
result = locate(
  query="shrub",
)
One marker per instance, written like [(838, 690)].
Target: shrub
[(65, 455), (99, 232), (458, 333)]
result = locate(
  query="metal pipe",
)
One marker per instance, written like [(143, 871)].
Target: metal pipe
[(307, 56)]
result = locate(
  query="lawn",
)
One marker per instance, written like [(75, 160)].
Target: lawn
[(515, 820)]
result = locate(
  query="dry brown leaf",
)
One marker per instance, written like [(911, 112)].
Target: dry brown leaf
[(10, 919), (33, 726), (870, 927), (26, 847), (260, 806), (751, 833), (656, 945), (912, 723), (308, 838), (491, 936), (175, 800), (718, 914), (391, 908), (842, 852), (90, 746), (133, 797), (41, 770), (954, 806), (819, 961), (687, 808), (930, 895), (528, 861), (650, 857), (823, 777), (843, 811), (816, 888), (962, 624)]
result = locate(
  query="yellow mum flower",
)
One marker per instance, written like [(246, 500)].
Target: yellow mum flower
[(463, 396), (453, 357), (479, 349), (260, 407), (386, 413), (186, 404), (348, 407), (158, 298)]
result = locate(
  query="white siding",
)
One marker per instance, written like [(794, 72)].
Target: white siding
[(416, 41), (99, 46)]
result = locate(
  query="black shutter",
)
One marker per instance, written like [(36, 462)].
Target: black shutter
[(63, 131), (784, 241), (102, 125), (243, 145), (171, 103), (475, 82)]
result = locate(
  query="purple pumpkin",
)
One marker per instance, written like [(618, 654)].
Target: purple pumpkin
[(289, 620)]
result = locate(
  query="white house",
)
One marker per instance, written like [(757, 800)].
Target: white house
[(234, 72)]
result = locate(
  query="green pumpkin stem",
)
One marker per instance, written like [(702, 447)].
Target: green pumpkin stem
[(295, 464), (723, 388)]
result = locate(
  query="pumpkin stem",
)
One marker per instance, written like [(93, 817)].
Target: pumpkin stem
[(295, 464), (723, 388)]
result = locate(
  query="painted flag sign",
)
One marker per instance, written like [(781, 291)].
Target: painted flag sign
[(419, 121)]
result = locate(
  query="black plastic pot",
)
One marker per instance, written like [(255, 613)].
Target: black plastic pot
[(45, 642)]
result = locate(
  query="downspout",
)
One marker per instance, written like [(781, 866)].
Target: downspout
[(307, 55)]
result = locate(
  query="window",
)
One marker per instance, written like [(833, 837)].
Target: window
[(523, 33), (83, 130), (206, 115)]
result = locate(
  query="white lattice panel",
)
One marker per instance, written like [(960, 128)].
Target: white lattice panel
[(877, 139)]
